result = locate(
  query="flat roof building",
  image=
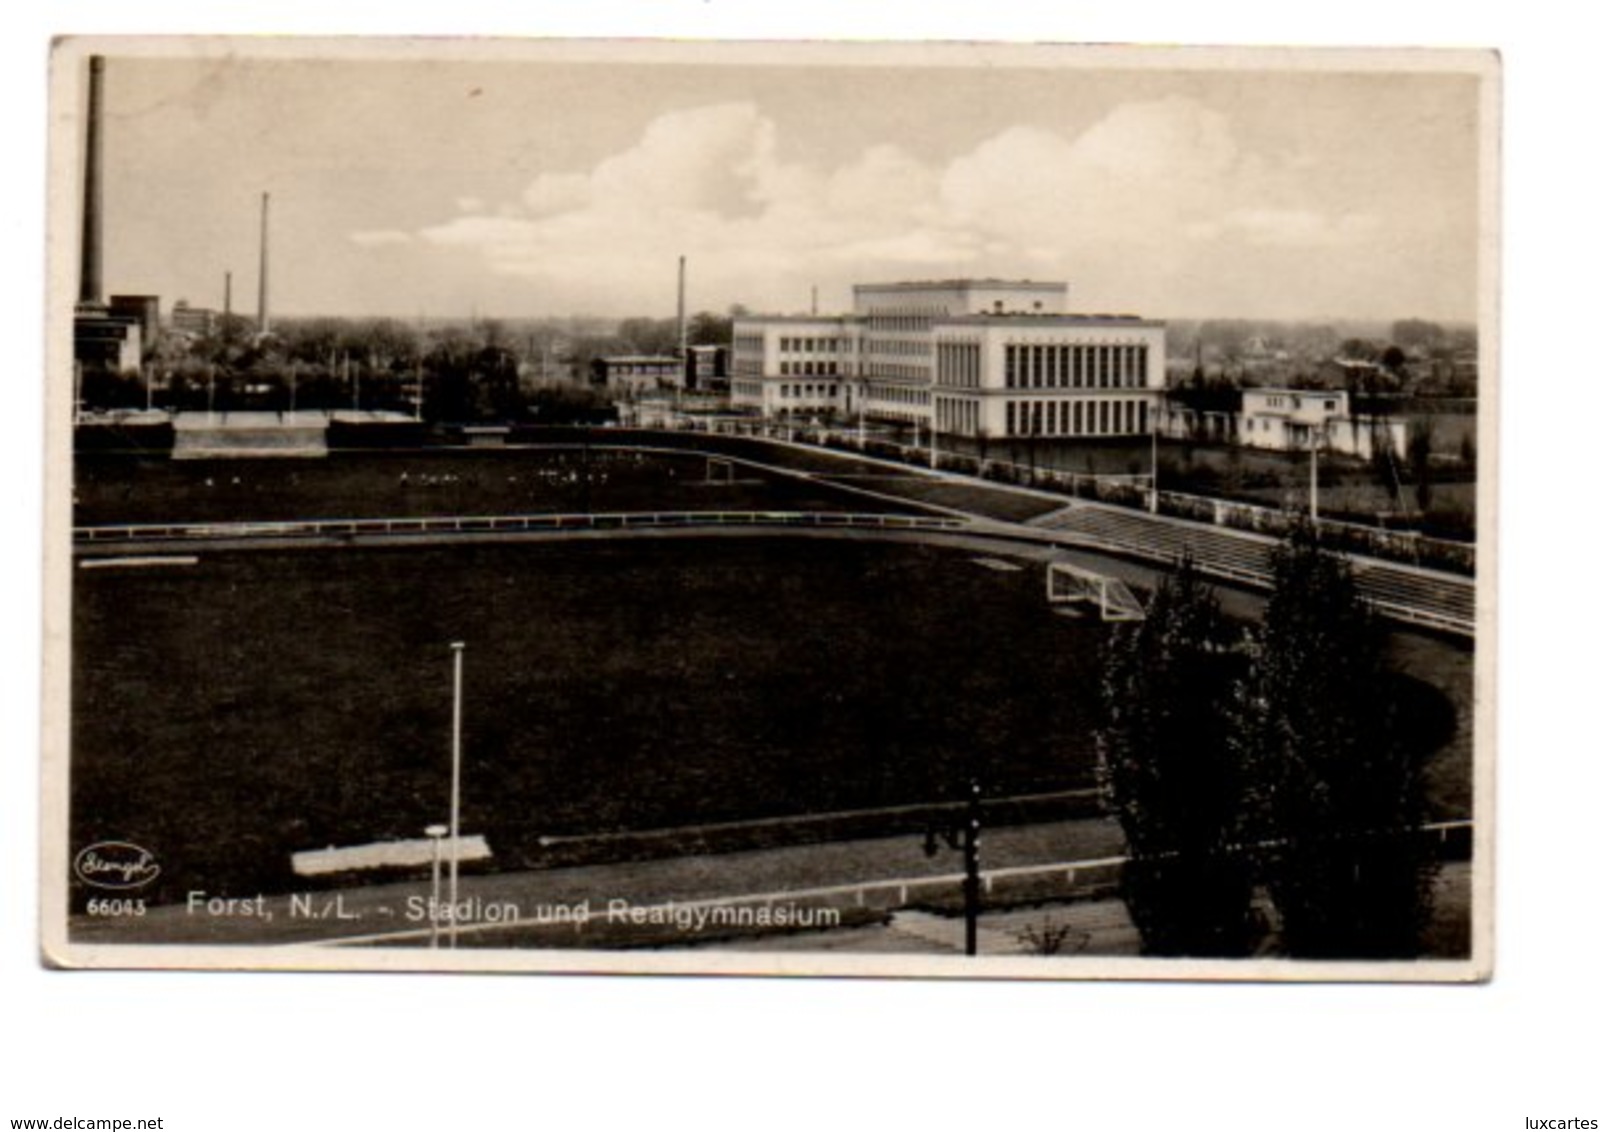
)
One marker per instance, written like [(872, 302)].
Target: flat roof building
[(143, 309), (970, 357), (1284, 420), (187, 319), (636, 374)]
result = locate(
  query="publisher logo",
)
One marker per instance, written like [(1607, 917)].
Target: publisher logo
[(116, 865)]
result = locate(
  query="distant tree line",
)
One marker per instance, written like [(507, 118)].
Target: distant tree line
[(1408, 357), (484, 370)]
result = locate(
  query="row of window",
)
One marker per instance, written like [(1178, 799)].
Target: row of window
[(809, 392), (957, 416), (809, 345), (1076, 417), (959, 364), (898, 395), (903, 373), (1280, 401), (899, 347), (809, 369), (903, 322), (1075, 367)]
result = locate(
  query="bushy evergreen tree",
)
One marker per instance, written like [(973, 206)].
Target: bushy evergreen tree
[(1335, 789), (1170, 771)]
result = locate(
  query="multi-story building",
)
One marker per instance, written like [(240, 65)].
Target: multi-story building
[(706, 368), (105, 342), (637, 374), (143, 309), (969, 357), (187, 319)]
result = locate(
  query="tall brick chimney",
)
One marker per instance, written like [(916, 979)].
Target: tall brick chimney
[(89, 270)]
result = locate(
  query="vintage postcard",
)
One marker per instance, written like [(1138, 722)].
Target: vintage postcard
[(875, 509)]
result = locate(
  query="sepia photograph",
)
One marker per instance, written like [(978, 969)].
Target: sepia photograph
[(945, 510)]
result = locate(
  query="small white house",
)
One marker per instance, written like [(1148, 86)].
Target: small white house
[(1295, 420)]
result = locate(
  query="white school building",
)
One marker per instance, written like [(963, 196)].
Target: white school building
[(971, 357)]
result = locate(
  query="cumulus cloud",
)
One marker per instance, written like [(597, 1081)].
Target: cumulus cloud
[(710, 182)]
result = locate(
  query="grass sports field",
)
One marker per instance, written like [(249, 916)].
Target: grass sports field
[(234, 711), (229, 713), (119, 489)]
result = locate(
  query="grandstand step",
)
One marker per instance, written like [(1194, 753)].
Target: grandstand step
[(1445, 599)]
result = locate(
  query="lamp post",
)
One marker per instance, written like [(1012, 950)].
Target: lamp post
[(963, 835), (435, 833), (453, 830), (1155, 485)]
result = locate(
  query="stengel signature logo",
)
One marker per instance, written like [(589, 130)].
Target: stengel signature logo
[(115, 864)]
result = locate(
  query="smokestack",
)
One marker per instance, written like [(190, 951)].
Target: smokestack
[(262, 274), (812, 300), (228, 296), (681, 306), (89, 274)]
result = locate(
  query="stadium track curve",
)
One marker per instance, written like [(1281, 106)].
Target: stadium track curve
[(1411, 595)]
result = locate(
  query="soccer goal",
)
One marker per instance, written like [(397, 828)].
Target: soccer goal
[(717, 470), (1066, 584)]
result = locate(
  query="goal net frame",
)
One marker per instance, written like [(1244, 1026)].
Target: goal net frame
[(1067, 584)]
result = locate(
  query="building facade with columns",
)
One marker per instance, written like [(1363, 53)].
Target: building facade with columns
[(970, 357)]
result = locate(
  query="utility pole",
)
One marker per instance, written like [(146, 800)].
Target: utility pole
[(681, 308), (452, 819), (262, 271), (435, 833), (1312, 475), (964, 836)]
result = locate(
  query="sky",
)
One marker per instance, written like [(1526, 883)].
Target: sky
[(526, 187)]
